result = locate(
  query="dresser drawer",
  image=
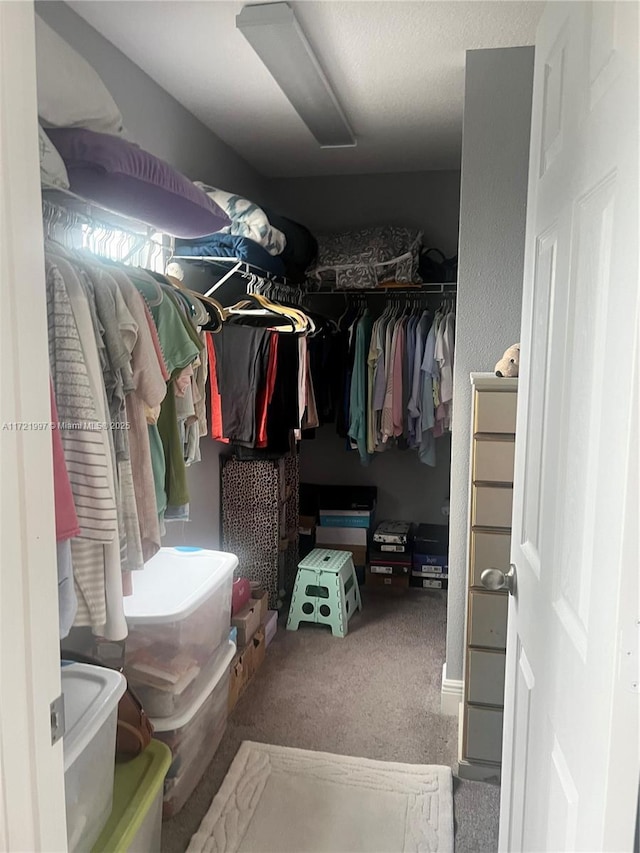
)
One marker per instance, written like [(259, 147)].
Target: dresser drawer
[(488, 619), (492, 506), (485, 677), (493, 460), (488, 551), (483, 734), (495, 411)]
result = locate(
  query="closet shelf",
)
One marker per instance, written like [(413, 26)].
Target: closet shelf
[(231, 266), (94, 214), (416, 290)]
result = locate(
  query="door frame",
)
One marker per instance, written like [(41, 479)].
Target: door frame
[(32, 805)]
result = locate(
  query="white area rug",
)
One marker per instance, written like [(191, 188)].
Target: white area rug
[(280, 800)]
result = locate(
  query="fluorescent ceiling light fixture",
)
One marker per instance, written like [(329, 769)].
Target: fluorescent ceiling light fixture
[(274, 33)]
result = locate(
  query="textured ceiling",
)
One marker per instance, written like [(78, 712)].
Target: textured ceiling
[(396, 67)]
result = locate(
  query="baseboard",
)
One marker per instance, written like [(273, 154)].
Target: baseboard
[(450, 694)]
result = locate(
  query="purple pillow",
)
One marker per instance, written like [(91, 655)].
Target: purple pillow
[(121, 176)]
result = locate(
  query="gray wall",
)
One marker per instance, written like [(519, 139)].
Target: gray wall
[(407, 489), (158, 123), (427, 200), (495, 157), (152, 118)]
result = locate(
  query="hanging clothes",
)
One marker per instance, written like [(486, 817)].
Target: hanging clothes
[(67, 526), (358, 403), (120, 344), (401, 365)]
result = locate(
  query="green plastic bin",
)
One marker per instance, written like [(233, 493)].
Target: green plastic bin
[(135, 824)]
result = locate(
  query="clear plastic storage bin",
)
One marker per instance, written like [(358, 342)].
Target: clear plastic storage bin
[(135, 825), (91, 695), (178, 616), (194, 735)]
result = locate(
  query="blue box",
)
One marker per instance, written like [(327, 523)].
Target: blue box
[(346, 518), (430, 562)]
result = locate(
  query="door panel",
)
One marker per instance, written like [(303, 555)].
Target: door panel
[(569, 618)]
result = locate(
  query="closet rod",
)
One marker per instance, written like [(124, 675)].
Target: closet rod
[(74, 205)]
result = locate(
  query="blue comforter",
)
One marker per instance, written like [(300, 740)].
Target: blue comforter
[(231, 246)]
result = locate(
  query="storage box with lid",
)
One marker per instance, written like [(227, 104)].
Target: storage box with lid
[(193, 735), (135, 823), (91, 695), (178, 616)]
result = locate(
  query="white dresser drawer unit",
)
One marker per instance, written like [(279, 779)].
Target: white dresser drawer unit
[(493, 427)]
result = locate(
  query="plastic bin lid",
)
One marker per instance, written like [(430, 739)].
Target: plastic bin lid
[(174, 583), (90, 694), (169, 724), (135, 786)]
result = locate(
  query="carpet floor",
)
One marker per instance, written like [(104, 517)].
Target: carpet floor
[(374, 694)]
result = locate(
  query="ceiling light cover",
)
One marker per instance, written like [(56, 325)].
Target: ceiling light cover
[(274, 33)]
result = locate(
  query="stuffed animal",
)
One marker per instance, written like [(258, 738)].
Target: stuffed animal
[(510, 362)]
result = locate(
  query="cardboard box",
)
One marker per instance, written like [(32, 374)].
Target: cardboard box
[(306, 524), (358, 552), (432, 538), (238, 677), (392, 584), (392, 559), (390, 548), (390, 569), (430, 562), (345, 518), (270, 627), (341, 536), (431, 572), (314, 497), (430, 583), (393, 532), (255, 652), (247, 622), (262, 596)]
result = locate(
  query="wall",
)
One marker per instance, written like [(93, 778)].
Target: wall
[(152, 118), (160, 124), (495, 157), (407, 489), (426, 200)]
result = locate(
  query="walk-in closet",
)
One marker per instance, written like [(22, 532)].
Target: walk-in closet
[(261, 322)]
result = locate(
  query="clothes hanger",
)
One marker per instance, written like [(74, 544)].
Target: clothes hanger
[(209, 302)]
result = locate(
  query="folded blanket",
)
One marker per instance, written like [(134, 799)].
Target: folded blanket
[(247, 219), (230, 246)]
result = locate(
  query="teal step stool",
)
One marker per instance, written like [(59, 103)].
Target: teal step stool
[(326, 591)]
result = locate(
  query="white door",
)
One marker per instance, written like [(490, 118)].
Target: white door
[(32, 813), (571, 732)]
